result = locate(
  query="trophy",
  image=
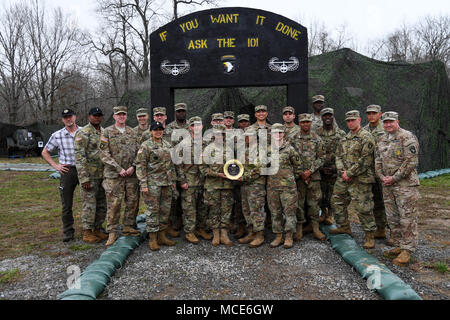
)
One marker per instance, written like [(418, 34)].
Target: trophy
[(233, 169)]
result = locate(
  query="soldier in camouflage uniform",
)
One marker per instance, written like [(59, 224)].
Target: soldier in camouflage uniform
[(318, 103), (353, 188), (375, 127), (396, 162), (281, 189), (331, 137), (311, 150), (218, 192), (157, 178), (192, 181), (216, 118), (261, 114), (253, 191), (90, 174), (118, 145), (143, 126), (243, 121), (176, 211), (291, 129)]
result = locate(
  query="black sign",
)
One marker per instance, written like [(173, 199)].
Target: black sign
[(229, 47)]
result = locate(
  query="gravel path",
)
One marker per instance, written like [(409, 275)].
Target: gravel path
[(310, 270)]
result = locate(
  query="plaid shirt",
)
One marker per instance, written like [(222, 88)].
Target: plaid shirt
[(63, 141)]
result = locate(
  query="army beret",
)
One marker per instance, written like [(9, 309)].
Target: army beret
[(305, 117), (390, 115), (373, 108), (243, 117), (352, 115), (261, 107), (180, 106), (120, 109), (228, 114), (217, 116), (288, 109), (159, 110), (277, 127), (195, 120), (326, 110), (156, 125), (318, 98), (67, 112), (95, 111), (141, 112)]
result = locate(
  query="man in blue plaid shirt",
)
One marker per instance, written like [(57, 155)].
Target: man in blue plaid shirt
[(63, 141)]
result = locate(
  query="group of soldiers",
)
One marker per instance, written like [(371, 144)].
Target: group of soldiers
[(322, 174)]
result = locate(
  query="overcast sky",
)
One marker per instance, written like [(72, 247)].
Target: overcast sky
[(366, 19)]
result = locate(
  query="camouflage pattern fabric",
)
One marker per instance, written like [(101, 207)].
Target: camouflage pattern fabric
[(288, 159), (220, 205), (309, 196), (140, 134), (291, 132), (94, 205), (170, 128), (397, 155), (317, 122), (158, 208)]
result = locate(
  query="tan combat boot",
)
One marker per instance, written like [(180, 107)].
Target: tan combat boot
[(277, 241), (162, 239), (112, 237), (259, 240), (100, 234), (344, 229), (153, 241), (90, 237), (402, 259), (224, 238), (308, 228), (380, 234), (130, 231), (288, 241), (392, 252), (191, 238), (249, 237), (299, 232), (172, 233), (202, 233), (329, 217), (216, 237), (317, 233), (240, 231), (370, 241)]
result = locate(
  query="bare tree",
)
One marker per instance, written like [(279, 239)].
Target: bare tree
[(176, 3), (434, 34), (16, 67)]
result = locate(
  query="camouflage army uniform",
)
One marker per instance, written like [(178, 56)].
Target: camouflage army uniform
[(317, 122), (281, 190), (118, 152), (155, 171), (291, 132), (331, 139), (253, 194), (194, 210), (355, 156), (141, 135), (173, 126), (90, 169), (311, 151), (218, 193), (378, 208), (397, 155)]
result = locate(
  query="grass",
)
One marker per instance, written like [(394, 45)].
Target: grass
[(9, 276), (441, 267), (438, 182), (80, 247)]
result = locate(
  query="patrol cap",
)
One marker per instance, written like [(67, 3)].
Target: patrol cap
[(352, 115), (95, 111), (67, 112), (373, 108), (228, 114), (304, 117), (195, 120), (120, 109), (288, 109), (250, 131), (156, 125), (217, 116), (180, 106), (326, 110), (219, 128), (390, 115), (141, 112), (318, 98), (243, 117), (277, 127), (260, 107), (159, 110)]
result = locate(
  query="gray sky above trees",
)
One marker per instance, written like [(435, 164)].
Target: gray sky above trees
[(365, 20)]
